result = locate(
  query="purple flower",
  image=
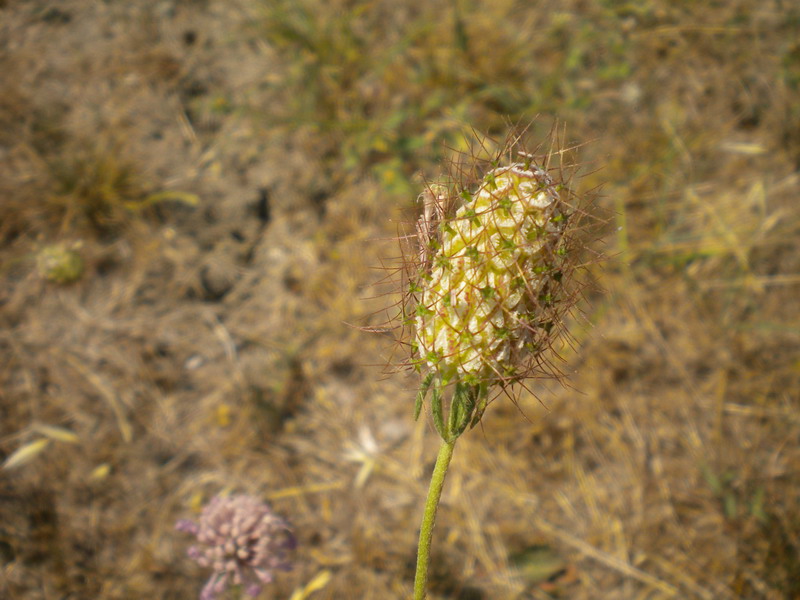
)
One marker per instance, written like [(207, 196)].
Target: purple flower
[(241, 539)]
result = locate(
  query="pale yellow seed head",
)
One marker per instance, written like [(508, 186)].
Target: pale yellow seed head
[(477, 318)]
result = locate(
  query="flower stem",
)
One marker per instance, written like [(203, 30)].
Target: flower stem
[(429, 517)]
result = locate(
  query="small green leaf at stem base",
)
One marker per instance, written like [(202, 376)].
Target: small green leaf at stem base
[(423, 391)]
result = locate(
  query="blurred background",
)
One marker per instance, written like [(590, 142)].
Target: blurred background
[(194, 198)]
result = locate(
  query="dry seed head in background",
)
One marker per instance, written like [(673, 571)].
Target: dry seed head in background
[(242, 541), (490, 280)]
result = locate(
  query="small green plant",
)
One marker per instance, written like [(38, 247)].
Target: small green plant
[(105, 191), (489, 285), (98, 187), (60, 263), (736, 503)]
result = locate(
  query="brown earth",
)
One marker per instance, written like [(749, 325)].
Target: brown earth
[(229, 242)]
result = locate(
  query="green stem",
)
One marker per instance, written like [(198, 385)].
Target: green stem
[(429, 516)]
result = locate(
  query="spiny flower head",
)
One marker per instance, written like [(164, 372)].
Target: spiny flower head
[(242, 540), (490, 277)]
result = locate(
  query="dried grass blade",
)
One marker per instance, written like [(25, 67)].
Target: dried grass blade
[(26, 453), (107, 393), (57, 433), (317, 583), (610, 561)]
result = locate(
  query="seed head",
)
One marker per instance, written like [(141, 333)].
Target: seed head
[(490, 276), (242, 541)]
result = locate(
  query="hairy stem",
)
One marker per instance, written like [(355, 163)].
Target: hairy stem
[(429, 517)]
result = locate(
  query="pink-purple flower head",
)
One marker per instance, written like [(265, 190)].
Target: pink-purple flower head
[(242, 541)]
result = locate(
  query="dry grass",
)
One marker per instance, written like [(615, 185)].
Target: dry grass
[(206, 348)]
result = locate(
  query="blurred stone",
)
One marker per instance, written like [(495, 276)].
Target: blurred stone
[(218, 275)]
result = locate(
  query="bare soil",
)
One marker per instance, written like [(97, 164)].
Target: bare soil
[(229, 250)]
